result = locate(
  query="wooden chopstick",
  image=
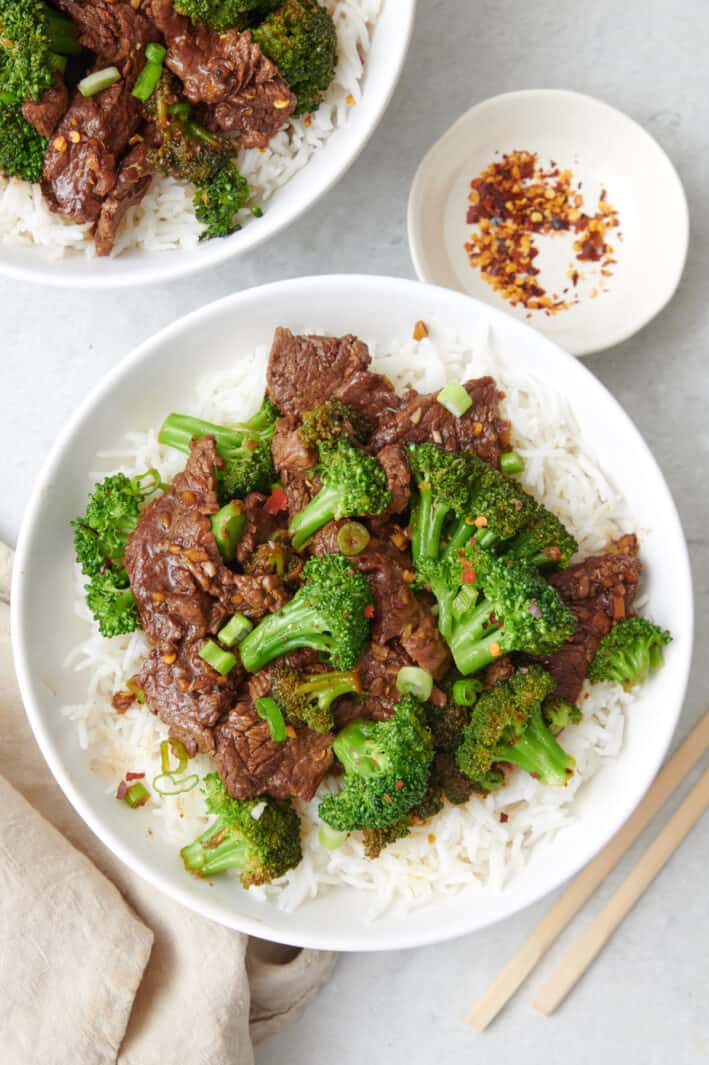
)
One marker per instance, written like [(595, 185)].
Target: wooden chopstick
[(580, 890), (575, 962)]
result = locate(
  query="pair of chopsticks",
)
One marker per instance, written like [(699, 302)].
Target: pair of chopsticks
[(591, 942)]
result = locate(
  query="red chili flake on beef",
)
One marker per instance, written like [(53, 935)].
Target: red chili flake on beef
[(121, 790), (369, 611), (276, 502), (134, 776)]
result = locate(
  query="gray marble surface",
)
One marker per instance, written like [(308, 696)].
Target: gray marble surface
[(645, 1000)]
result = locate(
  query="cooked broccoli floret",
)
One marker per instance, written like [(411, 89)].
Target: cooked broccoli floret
[(100, 537), (332, 420), (308, 698), (559, 714), (507, 725), (329, 613), (301, 39), (445, 488), (259, 836), (34, 41), (225, 14), (276, 556), (516, 610), (218, 200), (376, 839), (629, 653), (244, 448), (498, 508), (22, 148), (446, 724), (545, 542), (387, 765), (354, 483)]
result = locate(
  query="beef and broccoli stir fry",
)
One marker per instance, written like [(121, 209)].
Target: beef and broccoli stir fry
[(97, 97), (352, 583)]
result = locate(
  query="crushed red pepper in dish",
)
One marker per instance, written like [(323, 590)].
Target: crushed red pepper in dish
[(514, 201)]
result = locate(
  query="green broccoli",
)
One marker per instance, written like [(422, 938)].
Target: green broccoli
[(301, 39), (259, 836), (354, 483), (308, 698), (498, 508), (100, 538), (544, 542), (329, 613), (446, 724), (629, 653), (515, 610), (225, 14), (245, 448), (218, 201), (330, 421), (507, 725), (387, 765), (445, 490), (376, 839), (22, 148), (559, 714), (34, 41)]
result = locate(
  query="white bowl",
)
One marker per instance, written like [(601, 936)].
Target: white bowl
[(385, 60), (605, 149), (159, 376)]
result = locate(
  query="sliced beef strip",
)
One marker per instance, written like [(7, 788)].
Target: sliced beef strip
[(46, 113), (378, 668), (371, 394), (399, 614), (290, 454), (83, 155), (115, 30), (421, 418), (187, 694), (177, 574), (241, 89), (256, 595), (600, 591), (251, 764), (260, 526), (398, 474), (135, 175), (499, 670), (306, 370)]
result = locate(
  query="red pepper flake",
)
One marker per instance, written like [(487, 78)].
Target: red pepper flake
[(276, 502), (387, 798), (535, 775), (251, 444), (121, 790), (369, 611), (399, 785), (504, 818), (134, 776), (468, 575)]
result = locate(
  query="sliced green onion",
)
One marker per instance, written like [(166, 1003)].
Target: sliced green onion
[(178, 749), (412, 680), (235, 630), (330, 838), (511, 462), (455, 399), (170, 784), (98, 81), (352, 538), (228, 528), (465, 692), (269, 710), (155, 53), (136, 795), (215, 656)]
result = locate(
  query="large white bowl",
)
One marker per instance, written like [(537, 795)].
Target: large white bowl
[(390, 43), (159, 376)]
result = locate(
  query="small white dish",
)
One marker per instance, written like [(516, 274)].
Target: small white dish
[(160, 376), (605, 150)]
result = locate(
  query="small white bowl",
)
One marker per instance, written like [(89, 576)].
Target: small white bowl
[(606, 150), (160, 376), (385, 60)]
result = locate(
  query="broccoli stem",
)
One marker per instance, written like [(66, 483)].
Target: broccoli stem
[(538, 753), (179, 430), (318, 512), (292, 627), (460, 533), (358, 750), (470, 641), (429, 525), (332, 685), (61, 32), (215, 851)]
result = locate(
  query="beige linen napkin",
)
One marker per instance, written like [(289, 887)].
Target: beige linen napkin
[(79, 982)]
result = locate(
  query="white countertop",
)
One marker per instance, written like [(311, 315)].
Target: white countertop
[(645, 1000)]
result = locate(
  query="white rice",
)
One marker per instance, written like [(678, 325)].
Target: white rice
[(463, 848), (165, 218)]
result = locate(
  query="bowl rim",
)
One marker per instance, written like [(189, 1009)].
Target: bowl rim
[(413, 212), (394, 936), (217, 252)]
